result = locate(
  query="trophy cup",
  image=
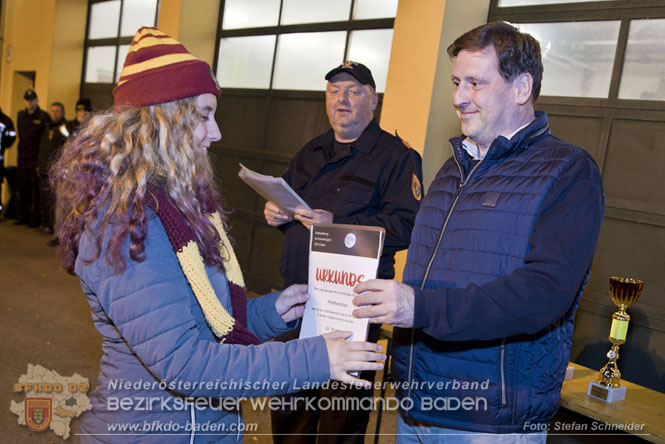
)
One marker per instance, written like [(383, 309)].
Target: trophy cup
[(624, 293)]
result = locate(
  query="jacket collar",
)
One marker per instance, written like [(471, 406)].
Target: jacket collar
[(365, 143), (501, 147)]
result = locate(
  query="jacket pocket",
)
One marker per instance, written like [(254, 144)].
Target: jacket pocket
[(356, 191)]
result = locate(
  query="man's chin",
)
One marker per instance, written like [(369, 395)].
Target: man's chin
[(467, 130), (343, 126), (344, 121)]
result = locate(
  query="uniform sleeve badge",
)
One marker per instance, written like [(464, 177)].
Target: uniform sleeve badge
[(416, 188)]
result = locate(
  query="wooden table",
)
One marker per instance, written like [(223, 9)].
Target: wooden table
[(642, 407)]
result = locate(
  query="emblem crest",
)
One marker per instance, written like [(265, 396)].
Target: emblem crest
[(38, 413), (416, 188)]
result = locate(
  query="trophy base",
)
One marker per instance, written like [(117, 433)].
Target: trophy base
[(606, 394), (569, 373)]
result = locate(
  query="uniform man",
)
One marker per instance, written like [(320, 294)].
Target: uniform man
[(57, 132), (498, 260), (31, 123), (7, 138), (355, 173), (83, 110)]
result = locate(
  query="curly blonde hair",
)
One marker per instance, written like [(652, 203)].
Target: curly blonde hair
[(102, 174)]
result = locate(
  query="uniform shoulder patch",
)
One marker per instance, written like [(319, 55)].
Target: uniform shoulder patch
[(416, 188), (404, 142)]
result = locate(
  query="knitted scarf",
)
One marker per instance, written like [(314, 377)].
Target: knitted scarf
[(224, 326)]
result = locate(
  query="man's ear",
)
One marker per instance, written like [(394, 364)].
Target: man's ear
[(524, 86), (375, 100)]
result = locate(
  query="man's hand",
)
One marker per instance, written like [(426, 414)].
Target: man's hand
[(309, 218), (290, 305), (274, 216), (391, 302)]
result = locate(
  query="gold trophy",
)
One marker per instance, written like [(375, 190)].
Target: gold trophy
[(624, 293)]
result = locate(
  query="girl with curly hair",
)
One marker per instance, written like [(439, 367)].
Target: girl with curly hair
[(140, 222)]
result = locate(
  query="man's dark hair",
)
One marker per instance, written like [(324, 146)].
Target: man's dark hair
[(518, 52), (62, 107)]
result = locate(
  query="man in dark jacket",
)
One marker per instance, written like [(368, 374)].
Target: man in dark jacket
[(499, 257), (31, 123), (83, 110), (358, 174), (57, 132), (7, 138)]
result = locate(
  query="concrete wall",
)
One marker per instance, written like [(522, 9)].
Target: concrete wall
[(67, 53), (29, 37), (198, 27), (169, 17)]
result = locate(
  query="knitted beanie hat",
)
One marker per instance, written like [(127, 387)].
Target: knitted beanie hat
[(159, 69)]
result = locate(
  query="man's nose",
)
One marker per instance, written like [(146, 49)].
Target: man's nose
[(343, 97), (460, 97)]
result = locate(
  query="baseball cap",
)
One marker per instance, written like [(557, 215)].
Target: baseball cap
[(30, 94), (357, 70)]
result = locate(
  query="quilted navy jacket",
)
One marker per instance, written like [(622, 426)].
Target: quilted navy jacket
[(499, 257), (154, 332)]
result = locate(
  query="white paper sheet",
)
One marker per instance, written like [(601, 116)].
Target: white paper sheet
[(274, 189)]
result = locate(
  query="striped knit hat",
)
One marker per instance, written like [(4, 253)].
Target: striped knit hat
[(159, 69)]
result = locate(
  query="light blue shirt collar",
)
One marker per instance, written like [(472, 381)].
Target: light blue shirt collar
[(474, 150)]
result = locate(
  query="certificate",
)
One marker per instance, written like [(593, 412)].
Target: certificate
[(274, 189), (340, 257)]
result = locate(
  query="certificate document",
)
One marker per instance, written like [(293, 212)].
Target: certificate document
[(340, 257)]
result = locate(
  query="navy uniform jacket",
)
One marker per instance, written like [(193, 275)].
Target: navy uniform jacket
[(30, 130), (376, 181), (53, 139)]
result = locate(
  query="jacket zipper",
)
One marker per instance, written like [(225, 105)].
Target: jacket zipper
[(503, 373), (460, 188), (463, 182)]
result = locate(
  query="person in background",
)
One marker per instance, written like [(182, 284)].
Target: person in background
[(57, 132), (7, 138), (358, 174), (31, 123), (83, 111), (141, 223), (498, 260)]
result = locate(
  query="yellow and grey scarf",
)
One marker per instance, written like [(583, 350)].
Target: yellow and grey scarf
[(229, 329)]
